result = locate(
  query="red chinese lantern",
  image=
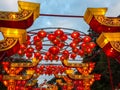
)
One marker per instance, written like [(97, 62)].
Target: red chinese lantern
[(22, 46), (75, 34), (20, 52), (42, 34), (51, 37), (36, 39), (37, 54), (91, 44), (81, 52), (58, 32), (56, 41), (38, 48), (62, 58), (30, 49), (54, 50), (77, 40), (73, 44), (29, 55), (88, 50), (65, 53), (75, 50), (73, 55), (87, 39), (61, 45), (40, 57), (63, 37)]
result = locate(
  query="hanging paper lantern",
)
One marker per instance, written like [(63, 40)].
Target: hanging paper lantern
[(22, 46), (75, 50), (91, 44), (37, 54), (75, 34), (40, 57), (56, 57), (38, 48), (88, 50), (63, 37), (20, 52), (38, 43), (58, 32), (77, 40), (51, 37), (30, 49), (87, 39), (62, 58), (81, 52), (54, 50), (61, 45), (42, 34), (28, 54), (73, 44), (56, 41), (65, 53), (73, 55), (83, 45), (36, 39)]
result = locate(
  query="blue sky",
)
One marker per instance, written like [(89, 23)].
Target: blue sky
[(64, 7)]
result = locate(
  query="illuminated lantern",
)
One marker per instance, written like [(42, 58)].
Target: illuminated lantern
[(28, 54), (75, 34), (58, 32), (87, 39), (73, 55), (56, 57), (30, 50), (73, 44), (38, 43), (20, 52), (36, 39), (42, 34), (63, 37), (38, 48), (83, 45), (91, 44), (48, 53), (54, 50), (51, 37), (61, 45), (62, 58), (77, 40), (75, 50), (37, 54), (81, 52), (22, 46), (88, 50), (40, 57), (65, 53), (56, 41)]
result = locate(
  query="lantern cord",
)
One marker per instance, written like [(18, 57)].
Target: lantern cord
[(69, 16), (57, 15), (110, 72)]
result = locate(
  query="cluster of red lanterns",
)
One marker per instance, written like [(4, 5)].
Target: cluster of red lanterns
[(80, 45), (50, 69), (20, 84)]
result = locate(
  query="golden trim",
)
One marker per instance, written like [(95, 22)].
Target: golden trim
[(108, 21), (66, 63), (115, 45), (31, 64), (104, 38), (26, 9), (90, 12), (7, 43), (20, 34)]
